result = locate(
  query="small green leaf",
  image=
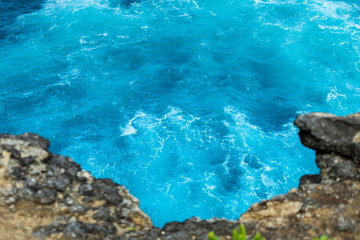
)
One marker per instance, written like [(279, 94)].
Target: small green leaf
[(212, 236), (235, 235), (258, 237), (242, 232)]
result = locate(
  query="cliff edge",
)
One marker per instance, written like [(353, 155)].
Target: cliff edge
[(48, 196)]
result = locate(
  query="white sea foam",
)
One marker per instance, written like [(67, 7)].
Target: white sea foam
[(129, 129), (192, 101)]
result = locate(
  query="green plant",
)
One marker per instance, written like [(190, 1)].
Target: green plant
[(131, 229), (240, 234), (323, 237), (212, 236)]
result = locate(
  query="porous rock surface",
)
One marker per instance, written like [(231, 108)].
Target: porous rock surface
[(47, 196)]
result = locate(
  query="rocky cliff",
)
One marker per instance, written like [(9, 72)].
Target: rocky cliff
[(47, 196)]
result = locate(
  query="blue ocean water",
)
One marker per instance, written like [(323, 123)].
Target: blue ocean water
[(188, 103)]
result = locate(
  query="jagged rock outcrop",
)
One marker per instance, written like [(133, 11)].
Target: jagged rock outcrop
[(47, 196)]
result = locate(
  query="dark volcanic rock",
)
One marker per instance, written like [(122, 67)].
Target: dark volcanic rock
[(45, 196), (331, 134), (48, 196), (195, 228)]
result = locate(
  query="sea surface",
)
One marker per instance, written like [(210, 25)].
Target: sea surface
[(188, 103)]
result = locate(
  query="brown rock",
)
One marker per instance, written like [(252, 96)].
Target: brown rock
[(42, 196)]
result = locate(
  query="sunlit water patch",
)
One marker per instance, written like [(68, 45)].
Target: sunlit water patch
[(187, 103)]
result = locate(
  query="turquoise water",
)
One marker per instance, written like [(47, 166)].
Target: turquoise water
[(187, 103)]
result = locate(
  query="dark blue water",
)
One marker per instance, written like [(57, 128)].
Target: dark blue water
[(187, 103)]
